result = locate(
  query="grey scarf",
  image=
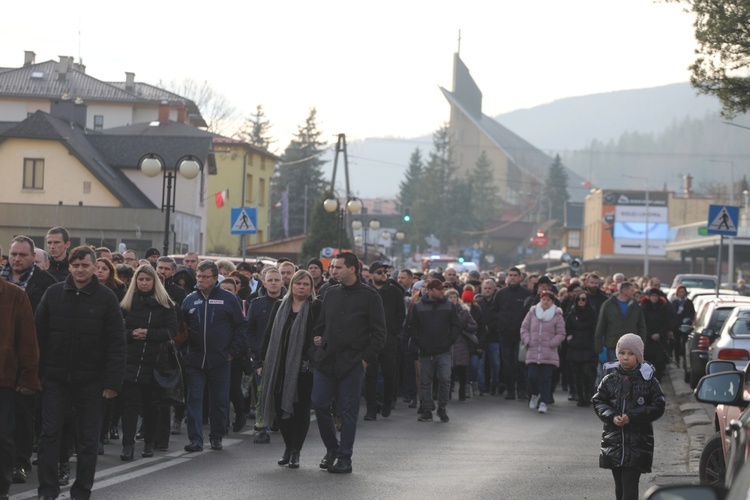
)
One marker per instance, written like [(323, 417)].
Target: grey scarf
[(272, 365)]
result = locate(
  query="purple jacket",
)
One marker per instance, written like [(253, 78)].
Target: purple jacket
[(543, 337)]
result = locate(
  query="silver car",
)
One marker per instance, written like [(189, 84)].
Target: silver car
[(733, 343)]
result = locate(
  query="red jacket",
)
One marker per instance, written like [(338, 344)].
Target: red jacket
[(19, 351)]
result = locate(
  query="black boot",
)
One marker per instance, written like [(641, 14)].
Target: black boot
[(294, 460), (285, 457), (127, 453), (148, 450)]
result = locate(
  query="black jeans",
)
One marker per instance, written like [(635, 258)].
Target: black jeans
[(137, 400), (235, 386), (86, 399), (387, 364), (585, 375), (7, 420), (514, 372), (24, 432), (294, 429), (626, 483)]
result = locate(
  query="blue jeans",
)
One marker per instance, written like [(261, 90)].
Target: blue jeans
[(439, 364), (540, 381), (348, 389), (492, 354), (218, 404)]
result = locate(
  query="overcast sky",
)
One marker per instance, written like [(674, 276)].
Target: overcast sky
[(372, 69)]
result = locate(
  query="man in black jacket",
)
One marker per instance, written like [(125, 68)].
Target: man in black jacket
[(434, 326), (509, 307), (348, 336), (22, 271), (395, 312), (82, 344), (58, 243)]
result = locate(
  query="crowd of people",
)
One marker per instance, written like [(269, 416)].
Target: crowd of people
[(87, 330)]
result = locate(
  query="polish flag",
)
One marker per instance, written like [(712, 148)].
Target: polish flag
[(221, 197)]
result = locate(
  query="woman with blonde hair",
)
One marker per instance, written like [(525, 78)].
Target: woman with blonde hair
[(150, 321), (286, 364)]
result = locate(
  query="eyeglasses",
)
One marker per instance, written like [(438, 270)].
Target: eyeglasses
[(582, 300)]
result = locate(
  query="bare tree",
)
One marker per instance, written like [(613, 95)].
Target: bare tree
[(218, 112)]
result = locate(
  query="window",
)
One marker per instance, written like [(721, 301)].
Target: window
[(249, 188), (33, 173), (574, 239), (261, 191), (98, 122), (86, 187)]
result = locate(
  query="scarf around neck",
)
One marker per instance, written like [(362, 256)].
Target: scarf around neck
[(272, 365), (543, 315), (7, 274)]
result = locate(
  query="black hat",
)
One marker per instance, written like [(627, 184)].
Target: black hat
[(376, 265), (315, 262), (544, 280), (152, 251)]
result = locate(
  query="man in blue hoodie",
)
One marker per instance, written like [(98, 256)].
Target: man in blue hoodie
[(216, 334)]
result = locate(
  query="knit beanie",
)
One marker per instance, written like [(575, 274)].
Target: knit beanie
[(634, 343), (315, 262), (467, 297)]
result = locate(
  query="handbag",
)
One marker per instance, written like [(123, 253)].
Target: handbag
[(471, 339), (168, 384), (522, 348)]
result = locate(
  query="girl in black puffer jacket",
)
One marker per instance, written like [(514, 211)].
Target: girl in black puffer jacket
[(150, 321), (628, 401)]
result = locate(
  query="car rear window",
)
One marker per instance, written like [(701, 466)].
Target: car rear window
[(719, 317), (699, 283), (741, 326)]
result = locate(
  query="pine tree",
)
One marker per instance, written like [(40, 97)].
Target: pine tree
[(408, 188), (555, 192), (300, 173), (483, 190), (256, 129)]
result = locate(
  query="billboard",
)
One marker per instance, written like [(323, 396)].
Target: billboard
[(627, 224)]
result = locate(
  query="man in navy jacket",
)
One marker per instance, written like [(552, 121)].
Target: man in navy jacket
[(216, 334)]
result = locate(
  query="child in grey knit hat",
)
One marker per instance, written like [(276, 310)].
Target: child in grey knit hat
[(628, 400)]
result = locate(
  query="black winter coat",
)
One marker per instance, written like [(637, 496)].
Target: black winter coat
[(688, 312), (394, 309), (659, 320), (81, 334), (581, 325), (37, 285), (433, 325), (143, 355), (258, 315), (509, 307), (642, 400)]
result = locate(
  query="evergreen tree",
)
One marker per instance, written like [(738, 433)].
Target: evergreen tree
[(300, 173), (459, 213), (483, 191), (408, 188), (429, 208), (256, 129), (325, 231), (555, 192)]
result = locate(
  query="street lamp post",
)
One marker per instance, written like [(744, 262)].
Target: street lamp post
[(353, 206), (188, 166)]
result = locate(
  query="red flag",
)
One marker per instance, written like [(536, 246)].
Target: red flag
[(221, 197)]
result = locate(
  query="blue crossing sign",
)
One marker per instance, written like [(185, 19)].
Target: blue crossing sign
[(723, 219), (244, 220)]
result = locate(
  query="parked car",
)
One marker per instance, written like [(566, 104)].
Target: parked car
[(695, 280), (733, 342), (709, 319), (712, 466)]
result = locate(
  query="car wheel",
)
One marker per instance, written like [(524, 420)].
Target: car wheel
[(712, 468)]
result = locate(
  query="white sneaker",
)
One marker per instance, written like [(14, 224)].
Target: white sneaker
[(542, 407), (533, 402)]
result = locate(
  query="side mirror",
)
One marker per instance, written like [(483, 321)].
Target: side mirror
[(686, 492), (686, 328), (719, 366), (707, 332), (724, 388)]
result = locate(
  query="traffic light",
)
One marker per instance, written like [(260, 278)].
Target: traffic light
[(461, 260), (407, 215)]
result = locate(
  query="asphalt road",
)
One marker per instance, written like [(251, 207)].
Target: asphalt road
[(491, 448)]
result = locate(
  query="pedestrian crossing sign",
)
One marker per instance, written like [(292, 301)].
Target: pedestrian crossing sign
[(723, 220), (244, 220)]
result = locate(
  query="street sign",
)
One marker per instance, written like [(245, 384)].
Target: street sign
[(326, 253), (244, 220), (539, 241), (723, 219)]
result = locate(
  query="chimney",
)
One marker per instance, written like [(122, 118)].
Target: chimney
[(129, 81), (163, 112), (62, 67), (29, 57), (71, 111), (182, 113), (687, 186)]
